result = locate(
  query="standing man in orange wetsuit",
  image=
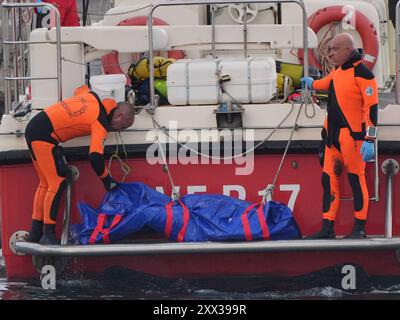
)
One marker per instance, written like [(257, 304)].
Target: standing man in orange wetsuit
[(82, 115), (349, 132)]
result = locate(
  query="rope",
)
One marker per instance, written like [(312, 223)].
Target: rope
[(309, 98), (104, 65), (269, 190), (174, 194), (323, 49), (125, 168), (223, 89), (165, 131)]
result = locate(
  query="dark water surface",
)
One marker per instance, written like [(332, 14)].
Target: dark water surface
[(118, 283)]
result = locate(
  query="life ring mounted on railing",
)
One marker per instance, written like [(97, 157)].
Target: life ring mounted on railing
[(110, 62), (362, 24)]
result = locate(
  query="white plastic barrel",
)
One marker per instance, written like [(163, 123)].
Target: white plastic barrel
[(109, 86)]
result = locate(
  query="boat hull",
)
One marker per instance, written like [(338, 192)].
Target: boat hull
[(298, 185)]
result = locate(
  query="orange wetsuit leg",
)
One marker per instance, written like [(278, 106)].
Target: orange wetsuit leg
[(355, 167), (38, 202), (333, 165), (49, 160)]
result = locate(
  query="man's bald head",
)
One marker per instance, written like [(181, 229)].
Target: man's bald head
[(125, 108), (344, 40), (341, 48), (123, 117)]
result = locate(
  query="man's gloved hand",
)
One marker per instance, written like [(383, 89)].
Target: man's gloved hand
[(307, 81), (109, 183), (367, 151)]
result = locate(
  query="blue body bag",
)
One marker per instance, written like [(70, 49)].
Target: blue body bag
[(134, 206)]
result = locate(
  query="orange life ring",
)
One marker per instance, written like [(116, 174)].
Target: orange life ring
[(364, 26), (110, 61)]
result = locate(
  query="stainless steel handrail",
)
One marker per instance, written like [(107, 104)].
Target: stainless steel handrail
[(389, 203), (207, 247), (29, 42), (30, 78), (170, 3), (376, 172), (390, 168), (7, 6)]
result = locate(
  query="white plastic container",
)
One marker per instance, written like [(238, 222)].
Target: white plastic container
[(194, 82), (109, 86)]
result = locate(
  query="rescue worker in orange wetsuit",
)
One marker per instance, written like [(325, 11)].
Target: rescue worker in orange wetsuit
[(348, 134), (82, 115)]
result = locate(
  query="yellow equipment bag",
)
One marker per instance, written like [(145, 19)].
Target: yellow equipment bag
[(141, 70), (294, 71)]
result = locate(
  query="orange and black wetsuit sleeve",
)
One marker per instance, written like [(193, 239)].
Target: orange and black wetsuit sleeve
[(366, 82), (96, 151), (99, 132), (323, 84)]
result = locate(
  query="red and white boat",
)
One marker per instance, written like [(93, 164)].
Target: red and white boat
[(56, 65)]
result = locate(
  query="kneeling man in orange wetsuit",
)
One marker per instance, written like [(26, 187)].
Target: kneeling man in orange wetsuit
[(82, 115), (349, 132)]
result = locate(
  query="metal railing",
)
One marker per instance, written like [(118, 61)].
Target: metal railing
[(15, 73), (390, 168), (158, 248), (171, 3)]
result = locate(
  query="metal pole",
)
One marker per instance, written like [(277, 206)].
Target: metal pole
[(376, 178), (67, 213), (389, 201), (15, 54), (59, 66), (245, 30), (151, 56), (213, 35), (7, 89), (390, 168), (305, 39), (21, 54), (397, 52)]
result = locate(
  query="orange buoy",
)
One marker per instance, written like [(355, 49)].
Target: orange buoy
[(363, 25)]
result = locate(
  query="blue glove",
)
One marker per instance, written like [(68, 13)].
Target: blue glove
[(307, 80), (367, 151), (39, 9)]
